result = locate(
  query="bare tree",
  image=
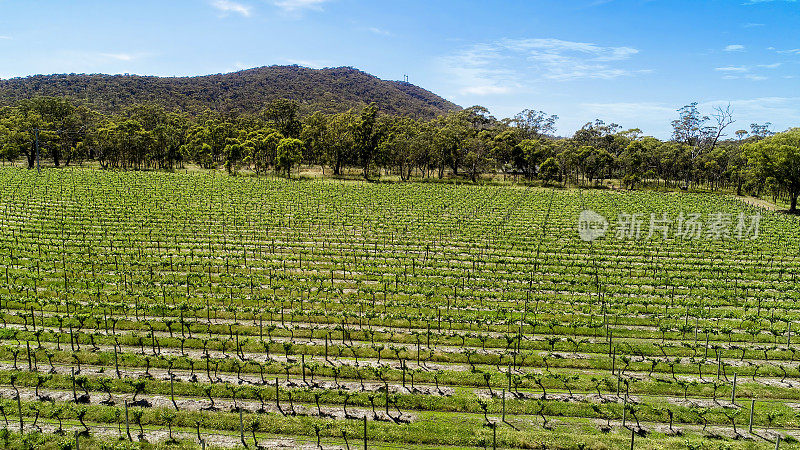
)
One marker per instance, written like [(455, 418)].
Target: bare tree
[(723, 118)]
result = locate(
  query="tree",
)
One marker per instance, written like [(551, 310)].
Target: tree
[(206, 141), (314, 134), (398, 147), (692, 130), (21, 135), (599, 134), (339, 140), (57, 118), (532, 153), (779, 157), (593, 161), (549, 169), (234, 152), (11, 140), (690, 126), (534, 124), (290, 153), (367, 137), (261, 149), (450, 132), (282, 115), (478, 157), (760, 131)]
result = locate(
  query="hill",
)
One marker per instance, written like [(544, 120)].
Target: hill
[(330, 90)]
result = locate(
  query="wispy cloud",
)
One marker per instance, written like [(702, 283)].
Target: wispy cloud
[(734, 48), (628, 110), (745, 72), (107, 62), (732, 69), (310, 63), (379, 31), (228, 6), (5, 38), (509, 64), (753, 25), (747, 76), (119, 56), (294, 6)]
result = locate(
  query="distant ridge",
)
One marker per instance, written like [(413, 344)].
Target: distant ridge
[(330, 90)]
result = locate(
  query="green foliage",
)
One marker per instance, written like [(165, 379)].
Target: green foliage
[(549, 169), (329, 90), (290, 152), (778, 158)]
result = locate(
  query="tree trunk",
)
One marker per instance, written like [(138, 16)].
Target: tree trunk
[(337, 168), (793, 206), (31, 158)]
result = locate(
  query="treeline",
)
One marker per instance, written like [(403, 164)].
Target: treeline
[(468, 143)]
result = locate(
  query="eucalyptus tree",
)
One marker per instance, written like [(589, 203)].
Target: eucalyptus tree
[(289, 154), (778, 157)]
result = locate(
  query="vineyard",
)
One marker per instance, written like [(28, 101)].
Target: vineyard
[(202, 310)]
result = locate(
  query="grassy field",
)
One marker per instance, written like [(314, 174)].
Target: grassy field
[(263, 312)]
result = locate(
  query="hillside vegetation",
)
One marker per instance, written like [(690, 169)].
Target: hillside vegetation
[(329, 90)]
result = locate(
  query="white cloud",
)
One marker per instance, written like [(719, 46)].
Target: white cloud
[(486, 89), (299, 5), (509, 65), (628, 110), (748, 76), (753, 25), (732, 69), (379, 31), (734, 48), (228, 6), (119, 56), (5, 38), (744, 72), (94, 61), (311, 64)]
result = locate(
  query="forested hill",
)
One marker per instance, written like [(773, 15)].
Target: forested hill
[(329, 90)]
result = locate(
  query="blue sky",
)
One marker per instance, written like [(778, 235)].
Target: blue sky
[(632, 62)]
